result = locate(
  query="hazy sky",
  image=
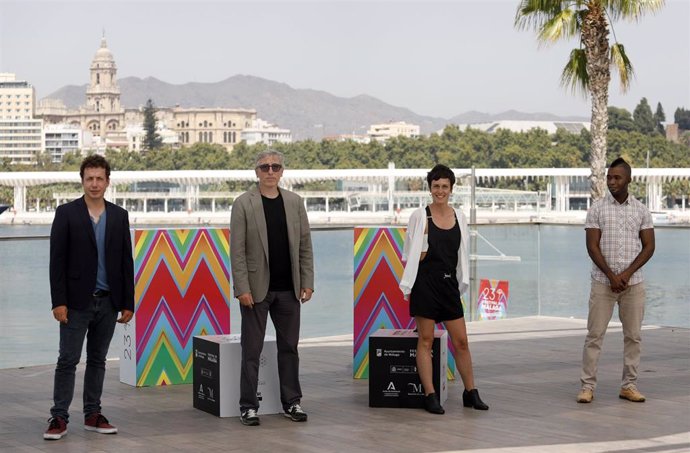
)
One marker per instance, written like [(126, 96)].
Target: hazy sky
[(435, 58)]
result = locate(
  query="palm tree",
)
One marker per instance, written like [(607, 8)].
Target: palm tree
[(589, 67)]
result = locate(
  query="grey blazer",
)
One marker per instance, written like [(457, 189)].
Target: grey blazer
[(249, 244)]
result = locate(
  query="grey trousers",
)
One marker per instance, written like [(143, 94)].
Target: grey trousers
[(631, 311), (284, 309)]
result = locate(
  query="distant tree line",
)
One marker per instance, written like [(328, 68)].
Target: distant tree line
[(682, 118), (454, 147), (644, 121)]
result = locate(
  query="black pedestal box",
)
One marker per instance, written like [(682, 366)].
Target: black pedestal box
[(393, 378)]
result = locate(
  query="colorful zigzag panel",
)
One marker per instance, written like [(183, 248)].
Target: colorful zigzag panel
[(182, 289), (378, 302)]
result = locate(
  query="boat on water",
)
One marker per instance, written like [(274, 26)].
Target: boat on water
[(662, 218)]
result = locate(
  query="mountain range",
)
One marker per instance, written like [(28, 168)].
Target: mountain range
[(307, 113)]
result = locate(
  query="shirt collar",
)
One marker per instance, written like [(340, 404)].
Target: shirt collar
[(612, 200)]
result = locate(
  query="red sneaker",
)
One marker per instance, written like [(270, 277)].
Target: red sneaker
[(56, 429), (97, 422)]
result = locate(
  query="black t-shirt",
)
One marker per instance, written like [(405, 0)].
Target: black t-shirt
[(278, 247)]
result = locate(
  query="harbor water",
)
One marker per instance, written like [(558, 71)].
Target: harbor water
[(551, 279)]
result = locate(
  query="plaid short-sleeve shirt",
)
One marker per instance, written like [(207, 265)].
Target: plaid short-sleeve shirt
[(620, 225)]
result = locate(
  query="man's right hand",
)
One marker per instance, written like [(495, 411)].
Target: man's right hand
[(60, 314), (618, 284), (246, 300)]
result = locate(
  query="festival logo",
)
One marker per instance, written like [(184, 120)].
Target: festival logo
[(492, 302)]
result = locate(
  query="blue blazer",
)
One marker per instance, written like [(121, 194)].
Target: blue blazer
[(74, 257)]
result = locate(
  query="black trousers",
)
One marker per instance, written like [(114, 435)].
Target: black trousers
[(284, 309)]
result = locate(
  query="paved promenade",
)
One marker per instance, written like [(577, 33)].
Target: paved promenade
[(527, 370)]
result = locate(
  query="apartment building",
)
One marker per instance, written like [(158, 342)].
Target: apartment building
[(20, 134)]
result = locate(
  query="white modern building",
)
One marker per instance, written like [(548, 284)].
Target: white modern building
[(261, 131), (21, 140), (20, 134), (136, 135), (383, 132), (349, 137), (60, 139), (574, 127), (17, 98)]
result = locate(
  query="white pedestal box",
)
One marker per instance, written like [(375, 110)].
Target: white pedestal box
[(217, 368)]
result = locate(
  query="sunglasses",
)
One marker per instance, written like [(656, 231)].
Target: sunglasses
[(265, 167)]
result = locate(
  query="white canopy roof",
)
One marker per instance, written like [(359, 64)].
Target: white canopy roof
[(195, 177)]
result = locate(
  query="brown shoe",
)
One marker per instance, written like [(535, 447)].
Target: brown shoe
[(631, 394), (57, 428), (97, 422), (586, 395)]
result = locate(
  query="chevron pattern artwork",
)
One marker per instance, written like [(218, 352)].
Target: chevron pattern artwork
[(182, 289), (378, 302)]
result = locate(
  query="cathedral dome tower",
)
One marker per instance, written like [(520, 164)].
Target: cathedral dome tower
[(103, 93)]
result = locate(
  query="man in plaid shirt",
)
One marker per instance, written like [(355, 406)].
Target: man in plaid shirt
[(620, 240)]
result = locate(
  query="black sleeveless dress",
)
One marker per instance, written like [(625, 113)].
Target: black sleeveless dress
[(435, 294)]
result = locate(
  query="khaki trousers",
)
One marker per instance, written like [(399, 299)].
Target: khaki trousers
[(631, 312)]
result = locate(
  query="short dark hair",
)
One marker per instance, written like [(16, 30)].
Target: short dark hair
[(94, 161), (438, 172), (620, 162)]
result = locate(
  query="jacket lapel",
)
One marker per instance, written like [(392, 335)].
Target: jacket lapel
[(86, 220), (259, 219), (109, 223), (291, 218)]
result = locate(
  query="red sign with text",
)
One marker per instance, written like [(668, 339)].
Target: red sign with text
[(492, 302)]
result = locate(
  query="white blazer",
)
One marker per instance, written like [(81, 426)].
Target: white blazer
[(412, 251)]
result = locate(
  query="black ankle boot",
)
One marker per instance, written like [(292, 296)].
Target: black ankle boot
[(471, 399), (432, 405)]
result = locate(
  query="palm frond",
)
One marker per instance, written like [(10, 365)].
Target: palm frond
[(533, 14), (574, 75), (631, 9), (619, 59), (565, 24)]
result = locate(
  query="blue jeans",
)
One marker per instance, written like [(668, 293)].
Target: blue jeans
[(97, 325)]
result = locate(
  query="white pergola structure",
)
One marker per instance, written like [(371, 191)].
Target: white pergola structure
[(380, 181)]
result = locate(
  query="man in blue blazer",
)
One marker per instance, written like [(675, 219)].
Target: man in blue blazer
[(91, 280), (272, 272)]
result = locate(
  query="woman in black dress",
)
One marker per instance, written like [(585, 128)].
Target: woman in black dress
[(436, 274)]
